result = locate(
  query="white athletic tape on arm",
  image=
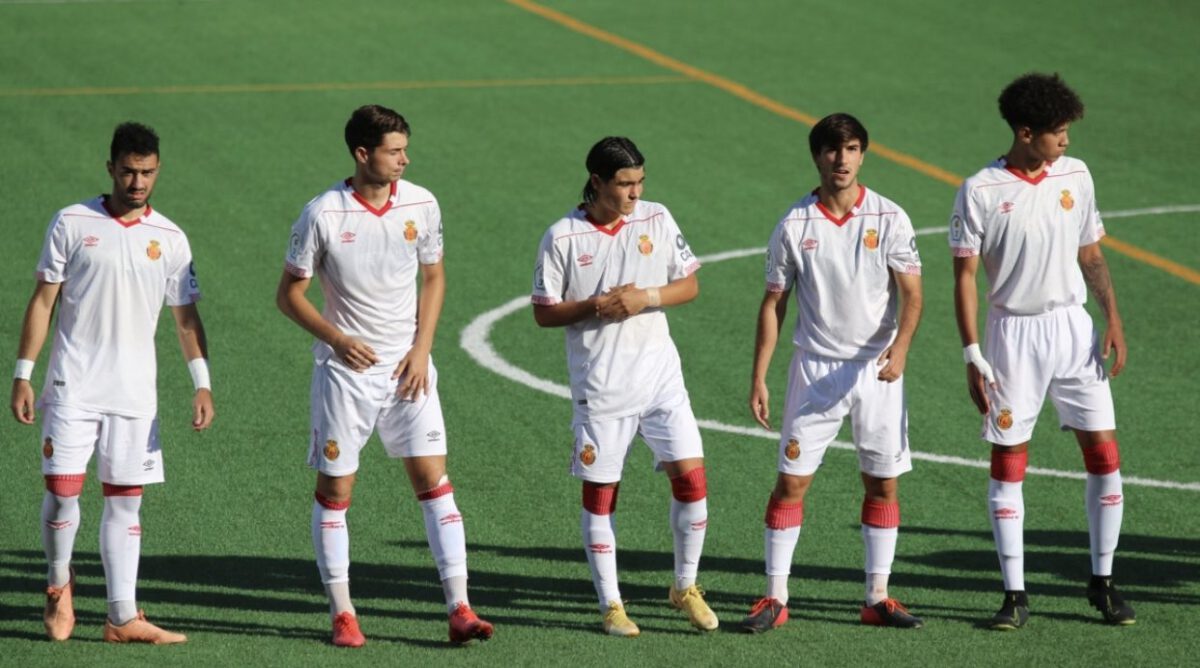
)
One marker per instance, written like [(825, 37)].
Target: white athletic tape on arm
[(199, 370), (972, 355), (24, 369), (654, 296)]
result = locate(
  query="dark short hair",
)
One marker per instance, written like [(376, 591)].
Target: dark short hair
[(135, 138), (607, 157), (1040, 102), (369, 123), (836, 130)]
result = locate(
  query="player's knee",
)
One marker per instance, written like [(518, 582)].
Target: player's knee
[(1009, 465), (1102, 458), (691, 486), (331, 503), (442, 488), (879, 514), (122, 490), (782, 515), (599, 499), (65, 485)]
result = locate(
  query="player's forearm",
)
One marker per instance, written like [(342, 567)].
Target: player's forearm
[(680, 291), (190, 329), (912, 304), (36, 325), (429, 309), (564, 313), (966, 302), (1098, 280), (770, 320)]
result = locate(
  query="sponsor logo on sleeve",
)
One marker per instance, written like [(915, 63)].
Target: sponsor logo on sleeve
[(956, 228)]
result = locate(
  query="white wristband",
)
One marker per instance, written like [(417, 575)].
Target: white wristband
[(199, 370), (24, 370), (972, 355), (654, 297)]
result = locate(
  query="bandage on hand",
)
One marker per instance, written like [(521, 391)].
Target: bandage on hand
[(972, 355)]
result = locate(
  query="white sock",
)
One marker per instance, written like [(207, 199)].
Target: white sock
[(60, 524), (120, 549), (1007, 506), (331, 542), (780, 546), (1105, 510), (879, 548), (455, 590), (600, 544), (448, 542), (689, 521)]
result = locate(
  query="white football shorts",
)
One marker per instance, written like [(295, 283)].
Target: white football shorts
[(1055, 353), (601, 446), (348, 406), (128, 448), (821, 392)]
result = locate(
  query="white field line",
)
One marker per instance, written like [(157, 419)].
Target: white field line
[(476, 340)]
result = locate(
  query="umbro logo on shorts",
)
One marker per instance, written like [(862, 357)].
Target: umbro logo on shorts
[(148, 465), (434, 435)]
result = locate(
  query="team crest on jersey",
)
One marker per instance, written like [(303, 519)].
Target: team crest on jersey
[(48, 448), (331, 450), (1066, 201), (410, 231), (792, 450), (153, 251), (645, 246), (587, 456), (1005, 419), (90, 241), (871, 239)]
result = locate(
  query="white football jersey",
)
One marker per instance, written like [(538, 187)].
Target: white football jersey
[(616, 368), (115, 278), (839, 269), (367, 260), (1028, 232)]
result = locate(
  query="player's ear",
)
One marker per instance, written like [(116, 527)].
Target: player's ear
[(1025, 135), (361, 155)]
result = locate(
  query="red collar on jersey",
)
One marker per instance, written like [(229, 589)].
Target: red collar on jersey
[(600, 226), (1020, 173), (122, 223), (381, 210), (862, 194)]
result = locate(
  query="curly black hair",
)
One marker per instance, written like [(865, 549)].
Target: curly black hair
[(1040, 102), (135, 138)]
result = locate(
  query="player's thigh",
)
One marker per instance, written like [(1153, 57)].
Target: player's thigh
[(879, 419), (344, 408), (1022, 354), (1080, 390), (413, 427), (128, 451), (670, 430), (69, 437), (601, 447), (818, 400)]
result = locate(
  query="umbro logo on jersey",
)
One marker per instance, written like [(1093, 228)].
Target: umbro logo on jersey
[(809, 244), (90, 241), (1006, 514), (348, 237), (585, 260), (1006, 207), (1111, 500)]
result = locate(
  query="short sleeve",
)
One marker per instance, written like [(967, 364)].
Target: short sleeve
[(304, 247), (52, 265), (429, 245), (966, 232), (182, 286), (902, 255), (549, 282), (683, 261), (781, 267), (1092, 228)]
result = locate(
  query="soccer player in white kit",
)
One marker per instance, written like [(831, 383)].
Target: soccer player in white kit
[(110, 263), (1031, 217), (367, 238), (606, 271), (848, 252)]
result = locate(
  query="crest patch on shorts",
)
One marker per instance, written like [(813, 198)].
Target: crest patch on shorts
[(1005, 419), (331, 450), (587, 456), (792, 451), (48, 448)]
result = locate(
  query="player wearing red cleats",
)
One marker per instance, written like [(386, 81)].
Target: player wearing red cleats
[(345, 631), (890, 612), (466, 626), (767, 614), (60, 610), (140, 630)]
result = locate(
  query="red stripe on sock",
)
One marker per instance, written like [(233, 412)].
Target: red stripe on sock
[(122, 490), (784, 515), (691, 486), (599, 500), (332, 505), (440, 490), (882, 515), (1102, 459), (65, 485), (1009, 466)]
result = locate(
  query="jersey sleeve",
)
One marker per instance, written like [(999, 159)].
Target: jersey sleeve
[(182, 287), (683, 261), (966, 233), (52, 265), (549, 279), (304, 248), (781, 267), (429, 246), (902, 255), (1092, 228)]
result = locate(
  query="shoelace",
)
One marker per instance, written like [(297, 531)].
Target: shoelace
[(762, 604)]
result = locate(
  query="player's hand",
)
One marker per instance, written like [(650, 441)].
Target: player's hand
[(978, 385), (622, 302), (356, 354), (1114, 339), (202, 409), (22, 401), (760, 402), (414, 372), (892, 363)]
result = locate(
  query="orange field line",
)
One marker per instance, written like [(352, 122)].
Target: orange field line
[(759, 100)]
